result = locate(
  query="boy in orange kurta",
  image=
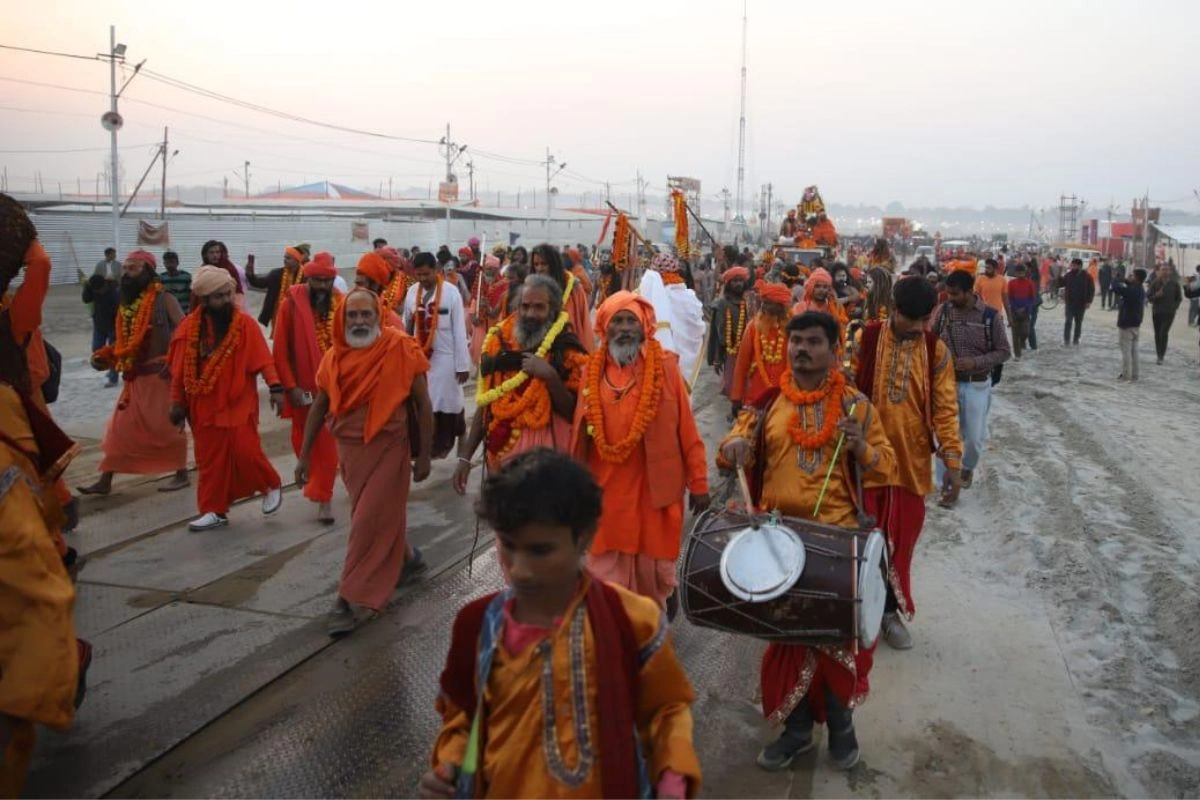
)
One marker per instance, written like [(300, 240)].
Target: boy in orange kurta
[(303, 333), (635, 431), (801, 684), (562, 685), (214, 388), (761, 357), (908, 374)]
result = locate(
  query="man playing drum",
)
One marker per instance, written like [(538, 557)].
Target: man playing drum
[(787, 441)]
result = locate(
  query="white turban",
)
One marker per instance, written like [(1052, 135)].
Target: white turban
[(210, 280)]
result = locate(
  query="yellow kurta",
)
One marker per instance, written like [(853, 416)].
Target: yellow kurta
[(39, 661), (899, 395), (514, 763), (793, 477)]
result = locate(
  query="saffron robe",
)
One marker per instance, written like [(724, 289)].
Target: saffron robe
[(749, 382)]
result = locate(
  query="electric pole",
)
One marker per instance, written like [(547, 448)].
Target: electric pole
[(741, 171), (471, 177), (452, 152), (551, 162), (162, 194), (111, 121)]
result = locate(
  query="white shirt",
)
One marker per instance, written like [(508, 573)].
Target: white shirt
[(450, 355)]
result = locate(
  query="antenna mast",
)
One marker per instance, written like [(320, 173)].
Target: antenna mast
[(741, 173)]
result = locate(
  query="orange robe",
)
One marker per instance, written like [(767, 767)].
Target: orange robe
[(582, 277), (301, 372), (641, 525), (824, 233), (513, 762), (993, 291), (576, 307), (914, 419), (368, 391), (38, 657), (753, 374), (229, 458), (791, 485), (139, 438), (25, 315)]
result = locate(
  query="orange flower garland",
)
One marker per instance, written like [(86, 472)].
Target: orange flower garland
[(679, 206), (325, 327), (427, 345), (768, 352), (394, 292), (133, 323), (620, 247), (732, 343), (829, 393), (672, 279), (652, 385), (198, 382), (285, 282)]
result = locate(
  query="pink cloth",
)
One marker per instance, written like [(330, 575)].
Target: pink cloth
[(139, 438), (377, 475), (649, 577), (556, 436)]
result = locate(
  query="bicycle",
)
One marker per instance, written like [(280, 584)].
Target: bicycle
[(1050, 298)]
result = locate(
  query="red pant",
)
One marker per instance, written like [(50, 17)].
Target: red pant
[(900, 514), (323, 458), (231, 465)]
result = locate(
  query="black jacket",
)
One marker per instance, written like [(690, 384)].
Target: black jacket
[(1133, 303), (271, 283), (105, 302), (1080, 288)]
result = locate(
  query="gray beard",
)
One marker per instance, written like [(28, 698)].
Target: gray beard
[(624, 353), (363, 340), (531, 338)]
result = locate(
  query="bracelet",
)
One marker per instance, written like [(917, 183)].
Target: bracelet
[(466, 461)]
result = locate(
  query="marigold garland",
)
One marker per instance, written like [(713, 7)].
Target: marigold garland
[(672, 279), (829, 393), (679, 206), (621, 242), (133, 323), (394, 292), (732, 343), (768, 352), (652, 386), (286, 280), (324, 326), (491, 346), (198, 382), (427, 345)]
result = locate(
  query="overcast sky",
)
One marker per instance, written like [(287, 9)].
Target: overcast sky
[(928, 103)]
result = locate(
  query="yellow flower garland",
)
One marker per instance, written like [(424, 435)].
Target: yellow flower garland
[(485, 397)]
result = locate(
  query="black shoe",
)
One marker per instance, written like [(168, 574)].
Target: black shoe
[(779, 754), (843, 748), (412, 566)]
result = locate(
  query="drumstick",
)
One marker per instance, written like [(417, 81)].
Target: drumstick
[(832, 463), (746, 498)]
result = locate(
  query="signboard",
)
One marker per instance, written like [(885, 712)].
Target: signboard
[(690, 185), (151, 234), (360, 231), (448, 192)]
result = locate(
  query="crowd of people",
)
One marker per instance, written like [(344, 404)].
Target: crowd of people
[(854, 392)]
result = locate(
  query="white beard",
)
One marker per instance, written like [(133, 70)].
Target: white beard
[(625, 353), (361, 341)]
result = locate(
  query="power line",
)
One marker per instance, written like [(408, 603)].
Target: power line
[(48, 52), (84, 149)]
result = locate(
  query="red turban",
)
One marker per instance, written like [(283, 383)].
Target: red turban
[(574, 256), (733, 273), (626, 301), (143, 256), (321, 267), (856, 273), (375, 267), (774, 293), (465, 253)]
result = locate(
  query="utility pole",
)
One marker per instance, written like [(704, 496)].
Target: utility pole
[(725, 207), (246, 178), (162, 195), (641, 200), (741, 171), (551, 162), (471, 177), (452, 151)]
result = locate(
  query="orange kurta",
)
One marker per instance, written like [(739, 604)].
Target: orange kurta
[(513, 762), (301, 373), (792, 483), (38, 657), (900, 397), (749, 380), (229, 459), (576, 307), (993, 291)]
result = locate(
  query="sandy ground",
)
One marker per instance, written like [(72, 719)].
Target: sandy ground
[(1057, 649)]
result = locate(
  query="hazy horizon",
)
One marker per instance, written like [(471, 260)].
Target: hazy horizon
[(937, 105)]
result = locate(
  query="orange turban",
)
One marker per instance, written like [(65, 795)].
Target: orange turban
[(574, 256), (733, 273), (144, 257), (774, 293), (964, 265), (391, 255), (820, 275), (626, 301), (294, 253), (321, 267), (375, 267)]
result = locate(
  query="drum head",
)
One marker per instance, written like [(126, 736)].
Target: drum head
[(872, 592), (760, 564)]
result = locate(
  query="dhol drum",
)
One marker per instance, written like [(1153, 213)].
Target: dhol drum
[(783, 579)]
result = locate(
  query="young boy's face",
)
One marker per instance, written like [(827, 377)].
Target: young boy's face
[(542, 561)]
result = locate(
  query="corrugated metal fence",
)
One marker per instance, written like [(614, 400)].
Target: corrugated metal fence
[(76, 240)]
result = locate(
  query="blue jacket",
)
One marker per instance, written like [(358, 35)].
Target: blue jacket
[(1133, 303)]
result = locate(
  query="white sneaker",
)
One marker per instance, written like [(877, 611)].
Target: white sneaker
[(208, 521), (272, 500)]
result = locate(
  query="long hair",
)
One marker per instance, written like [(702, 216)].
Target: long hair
[(880, 296), (553, 259)]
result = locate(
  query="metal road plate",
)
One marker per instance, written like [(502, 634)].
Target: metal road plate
[(158, 679), (101, 608)]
